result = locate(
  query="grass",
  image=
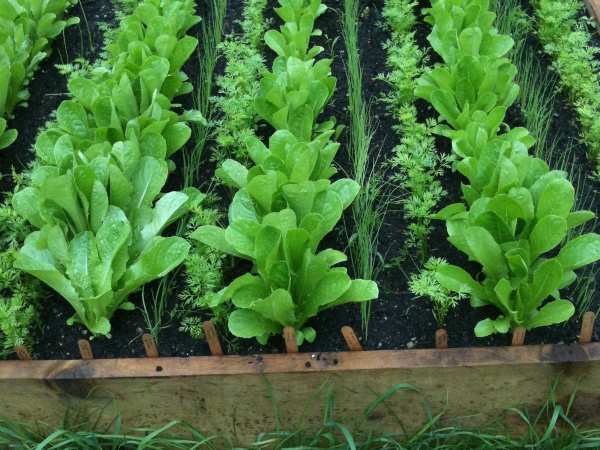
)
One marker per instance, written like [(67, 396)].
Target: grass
[(550, 428), (211, 34), (370, 206)]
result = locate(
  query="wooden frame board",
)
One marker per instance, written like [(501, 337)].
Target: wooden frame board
[(241, 396)]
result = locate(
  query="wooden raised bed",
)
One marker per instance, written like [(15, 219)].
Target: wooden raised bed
[(240, 396)]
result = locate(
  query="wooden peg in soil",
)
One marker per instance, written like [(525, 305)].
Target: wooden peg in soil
[(518, 337), (593, 7), (587, 328), (22, 353), (150, 346), (441, 339), (291, 345), (85, 349), (212, 338), (351, 340)]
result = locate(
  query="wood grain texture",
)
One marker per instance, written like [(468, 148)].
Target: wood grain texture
[(441, 339), (593, 7), (212, 337), (587, 327), (239, 396), (150, 346), (289, 336), (352, 341), (85, 349)]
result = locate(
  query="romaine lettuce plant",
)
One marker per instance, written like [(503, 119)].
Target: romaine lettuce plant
[(510, 234), (26, 28), (299, 87), (518, 214), (95, 192), (285, 204)]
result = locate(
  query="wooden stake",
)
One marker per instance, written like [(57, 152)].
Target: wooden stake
[(518, 337), (150, 346), (22, 353), (593, 7), (291, 345), (85, 349), (587, 328), (441, 339), (212, 338), (351, 340)]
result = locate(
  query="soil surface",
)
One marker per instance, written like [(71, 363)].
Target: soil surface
[(398, 320)]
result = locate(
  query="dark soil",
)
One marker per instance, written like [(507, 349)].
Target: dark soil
[(397, 321)]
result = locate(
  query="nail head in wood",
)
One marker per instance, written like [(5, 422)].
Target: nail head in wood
[(22, 353), (150, 346), (85, 349), (441, 339), (212, 338), (518, 337), (351, 340), (587, 327), (289, 335)]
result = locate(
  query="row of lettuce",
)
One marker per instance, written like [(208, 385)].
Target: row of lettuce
[(95, 195), (285, 203), (26, 30), (96, 204), (517, 220)]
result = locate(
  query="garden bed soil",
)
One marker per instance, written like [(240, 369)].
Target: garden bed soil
[(397, 321)]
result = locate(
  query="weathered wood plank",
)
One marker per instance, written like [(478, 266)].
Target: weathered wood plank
[(241, 396), (299, 362)]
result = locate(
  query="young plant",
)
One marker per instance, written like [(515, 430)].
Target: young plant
[(426, 284), (510, 234), (286, 203), (370, 207), (518, 212), (95, 194), (567, 39), (157, 312), (416, 162), (233, 120), (239, 84), (203, 277), (19, 293), (26, 29)]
